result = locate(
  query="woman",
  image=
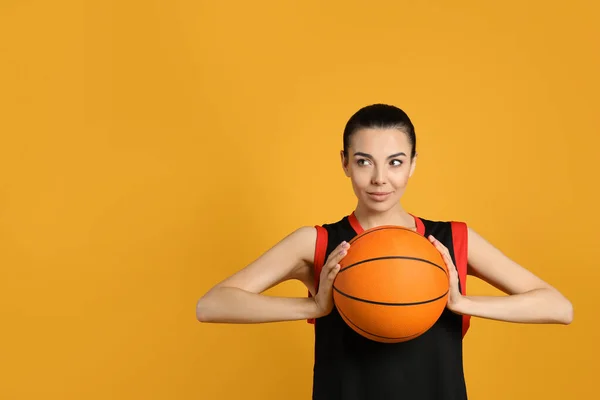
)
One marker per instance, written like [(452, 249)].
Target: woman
[(379, 157)]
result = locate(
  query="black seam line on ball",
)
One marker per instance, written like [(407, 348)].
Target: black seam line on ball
[(392, 258), (383, 228), (381, 303), (372, 334)]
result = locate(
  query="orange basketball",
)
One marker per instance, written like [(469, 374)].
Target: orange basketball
[(392, 285)]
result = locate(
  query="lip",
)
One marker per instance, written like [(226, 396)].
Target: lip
[(379, 196)]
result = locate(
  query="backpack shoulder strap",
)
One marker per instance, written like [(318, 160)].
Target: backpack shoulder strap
[(319, 258), (460, 240)]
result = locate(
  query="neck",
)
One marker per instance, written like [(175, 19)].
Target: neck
[(394, 216)]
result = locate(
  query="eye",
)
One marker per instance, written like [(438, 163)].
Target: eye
[(362, 162), (396, 163)]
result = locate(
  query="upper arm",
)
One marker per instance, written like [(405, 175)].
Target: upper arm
[(290, 258), (494, 267)]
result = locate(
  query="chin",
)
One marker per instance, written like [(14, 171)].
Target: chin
[(379, 206)]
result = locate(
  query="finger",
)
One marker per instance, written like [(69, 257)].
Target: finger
[(450, 264), (439, 245), (338, 249), (436, 243), (334, 271), (446, 256), (440, 248), (343, 245), (444, 253), (337, 257), (328, 279), (434, 240)]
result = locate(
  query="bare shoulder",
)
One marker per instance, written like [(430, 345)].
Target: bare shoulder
[(494, 267), (290, 258)]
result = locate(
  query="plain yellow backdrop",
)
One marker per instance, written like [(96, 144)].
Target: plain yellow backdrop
[(150, 149)]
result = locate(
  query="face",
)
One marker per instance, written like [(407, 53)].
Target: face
[(379, 166)]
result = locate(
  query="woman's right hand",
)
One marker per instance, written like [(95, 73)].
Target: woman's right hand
[(240, 298), (324, 296)]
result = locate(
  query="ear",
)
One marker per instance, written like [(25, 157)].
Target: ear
[(413, 165), (344, 163)]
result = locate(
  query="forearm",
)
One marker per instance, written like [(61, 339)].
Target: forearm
[(233, 305), (542, 306)]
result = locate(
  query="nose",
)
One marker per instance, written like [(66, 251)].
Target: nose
[(378, 177)]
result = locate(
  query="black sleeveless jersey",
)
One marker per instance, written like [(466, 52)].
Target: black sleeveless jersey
[(348, 366)]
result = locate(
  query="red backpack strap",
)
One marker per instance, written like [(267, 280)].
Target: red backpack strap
[(319, 259), (460, 240)]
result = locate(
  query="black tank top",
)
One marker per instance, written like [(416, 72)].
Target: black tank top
[(348, 366)]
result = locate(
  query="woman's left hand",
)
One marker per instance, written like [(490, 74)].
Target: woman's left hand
[(454, 295)]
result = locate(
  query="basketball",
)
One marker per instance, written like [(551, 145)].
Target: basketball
[(392, 285)]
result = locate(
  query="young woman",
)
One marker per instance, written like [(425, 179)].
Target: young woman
[(379, 157)]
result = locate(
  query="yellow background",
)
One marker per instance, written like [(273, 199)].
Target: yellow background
[(150, 149)]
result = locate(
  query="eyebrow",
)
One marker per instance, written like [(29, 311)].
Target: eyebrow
[(359, 153)]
